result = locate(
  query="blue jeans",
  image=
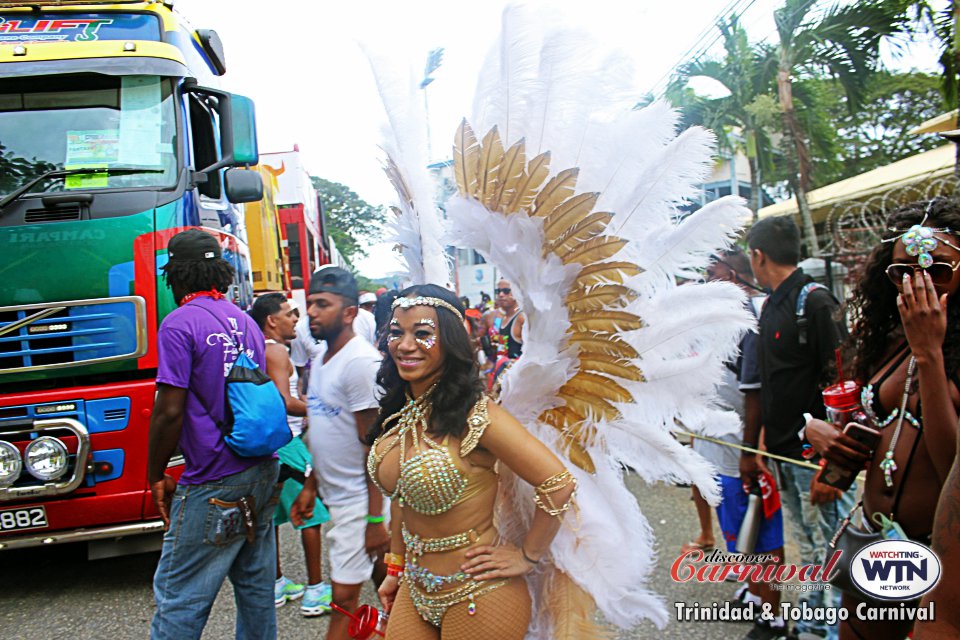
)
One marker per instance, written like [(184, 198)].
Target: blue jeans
[(813, 527), (206, 543)]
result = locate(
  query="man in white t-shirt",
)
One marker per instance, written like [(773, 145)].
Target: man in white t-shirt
[(341, 406), (365, 326), (304, 348)]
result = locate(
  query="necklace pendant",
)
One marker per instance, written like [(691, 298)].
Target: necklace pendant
[(888, 466)]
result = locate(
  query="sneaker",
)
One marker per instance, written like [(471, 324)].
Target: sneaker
[(763, 630), (739, 601), (284, 590), (316, 601)]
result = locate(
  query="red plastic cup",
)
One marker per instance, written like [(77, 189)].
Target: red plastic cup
[(842, 401), (367, 622)]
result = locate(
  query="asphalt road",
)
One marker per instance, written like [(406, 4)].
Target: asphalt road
[(55, 593)]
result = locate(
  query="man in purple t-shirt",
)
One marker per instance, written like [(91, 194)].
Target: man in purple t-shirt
[(207, 515)]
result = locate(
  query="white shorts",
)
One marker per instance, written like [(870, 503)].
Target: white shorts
[(346, 538)]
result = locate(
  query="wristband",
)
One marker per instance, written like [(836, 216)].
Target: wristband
[(393, 570), (523, 552), (375, 519), (393, 558)]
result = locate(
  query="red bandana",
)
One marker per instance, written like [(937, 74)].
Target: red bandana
[(213, 293)]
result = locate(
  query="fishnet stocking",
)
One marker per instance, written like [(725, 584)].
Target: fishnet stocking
[(502, 614), (405, 623)]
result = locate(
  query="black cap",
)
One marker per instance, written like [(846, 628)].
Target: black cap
[(335, 280), (193, 244)]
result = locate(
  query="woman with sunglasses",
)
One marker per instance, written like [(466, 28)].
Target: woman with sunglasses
[(906, 354)]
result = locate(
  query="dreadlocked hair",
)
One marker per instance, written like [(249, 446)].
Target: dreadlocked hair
[(459, 385), (191, 276), (873, 308)]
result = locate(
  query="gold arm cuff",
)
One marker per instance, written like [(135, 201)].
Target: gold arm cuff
[(558, 482)]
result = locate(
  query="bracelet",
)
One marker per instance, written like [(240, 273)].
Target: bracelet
[(523, 552), (394, 559), (375, 519), (393, 570)]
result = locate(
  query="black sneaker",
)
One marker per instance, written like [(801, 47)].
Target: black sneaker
[(763, 630), (738, 601)]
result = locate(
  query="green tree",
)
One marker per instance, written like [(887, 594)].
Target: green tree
[(351, 221), (877, 133), (747, 73), (943, 25), (843, 42)]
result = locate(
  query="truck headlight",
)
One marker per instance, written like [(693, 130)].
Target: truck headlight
[(46, 458), (10, 464)]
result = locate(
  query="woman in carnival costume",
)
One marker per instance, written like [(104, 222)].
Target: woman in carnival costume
[(907, 354), (578, 198), (436, 447)]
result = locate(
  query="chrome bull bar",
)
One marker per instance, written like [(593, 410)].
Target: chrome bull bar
[(61, 485)]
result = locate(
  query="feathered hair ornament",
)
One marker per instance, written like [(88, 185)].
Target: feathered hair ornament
[(415, 228), (577, 197)]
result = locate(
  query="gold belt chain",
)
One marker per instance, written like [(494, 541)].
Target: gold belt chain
[(419, 546)]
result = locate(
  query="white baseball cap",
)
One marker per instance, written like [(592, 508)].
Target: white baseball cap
[(366, 298)]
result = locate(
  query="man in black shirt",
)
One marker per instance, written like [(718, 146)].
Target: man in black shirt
[(799, 333)]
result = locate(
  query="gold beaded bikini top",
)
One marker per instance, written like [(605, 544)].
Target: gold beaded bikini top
[(430, 481)]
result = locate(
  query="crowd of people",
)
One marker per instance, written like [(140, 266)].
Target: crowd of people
[(902, 350), (397, 439)]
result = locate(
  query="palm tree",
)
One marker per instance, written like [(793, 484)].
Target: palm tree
[(747, 73), (943, 25), (843, 41)]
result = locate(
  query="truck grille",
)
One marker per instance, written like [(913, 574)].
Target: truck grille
[(63, 334)]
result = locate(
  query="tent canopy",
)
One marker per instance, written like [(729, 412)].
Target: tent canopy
[(919, 168)]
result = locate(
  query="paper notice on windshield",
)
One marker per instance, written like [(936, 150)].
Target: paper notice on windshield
[(140, 122), (93, 180), (95, 148)]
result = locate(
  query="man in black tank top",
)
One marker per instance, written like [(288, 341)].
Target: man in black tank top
[(503, 332), (507, 326)]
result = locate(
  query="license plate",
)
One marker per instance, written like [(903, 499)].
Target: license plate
[(19, 519)]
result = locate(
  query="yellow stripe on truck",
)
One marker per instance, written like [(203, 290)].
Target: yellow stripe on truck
[(39, 51)]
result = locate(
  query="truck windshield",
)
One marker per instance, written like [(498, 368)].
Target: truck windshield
[(87, 121)]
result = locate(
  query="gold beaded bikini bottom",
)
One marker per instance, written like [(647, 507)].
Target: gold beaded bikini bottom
[(432, 594)]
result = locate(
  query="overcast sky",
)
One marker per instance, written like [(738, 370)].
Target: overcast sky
[(302, 64)]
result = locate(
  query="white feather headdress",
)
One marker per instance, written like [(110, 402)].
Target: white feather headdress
[(415, 228), (577, 198)]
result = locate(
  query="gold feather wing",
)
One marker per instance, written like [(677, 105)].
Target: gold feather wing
[(504, 181)]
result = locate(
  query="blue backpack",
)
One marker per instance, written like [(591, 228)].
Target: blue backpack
[(255, 415)]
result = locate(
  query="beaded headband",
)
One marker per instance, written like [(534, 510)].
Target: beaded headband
[(406, 303), (920, 240)]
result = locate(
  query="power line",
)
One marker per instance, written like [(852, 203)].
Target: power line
[(697, 49)]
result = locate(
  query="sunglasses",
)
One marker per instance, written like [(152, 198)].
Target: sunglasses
[(940, 272), (505, 291)]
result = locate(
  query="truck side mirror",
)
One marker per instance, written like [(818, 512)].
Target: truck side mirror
[(242, 185), (244, 130), (238, 127)]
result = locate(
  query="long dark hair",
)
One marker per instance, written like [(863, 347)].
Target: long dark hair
[(459, 385), (874, 304)]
